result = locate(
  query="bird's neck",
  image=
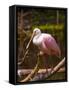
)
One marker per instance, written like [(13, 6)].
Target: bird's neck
[(35, 39), (37, 36)]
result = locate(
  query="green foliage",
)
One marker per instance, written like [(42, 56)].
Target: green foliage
[(50, 27)]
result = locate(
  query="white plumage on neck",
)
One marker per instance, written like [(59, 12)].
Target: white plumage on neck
[(36, 39)]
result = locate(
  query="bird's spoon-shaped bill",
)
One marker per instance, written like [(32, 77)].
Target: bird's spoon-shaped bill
[(30, 40)]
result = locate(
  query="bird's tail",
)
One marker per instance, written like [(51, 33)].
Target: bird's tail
[(59, 54)]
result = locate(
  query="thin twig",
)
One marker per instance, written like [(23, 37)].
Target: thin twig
[(32, 74), (22, 60), (27, 49)]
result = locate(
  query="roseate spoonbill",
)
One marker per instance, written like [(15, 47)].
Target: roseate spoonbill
[(45, 42)]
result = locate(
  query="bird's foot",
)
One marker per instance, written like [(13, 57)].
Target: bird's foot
[(52, 68)]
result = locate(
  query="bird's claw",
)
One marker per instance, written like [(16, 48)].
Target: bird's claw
[(52, 68)]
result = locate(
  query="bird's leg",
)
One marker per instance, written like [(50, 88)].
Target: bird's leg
[(45, 62), (50, 58), (44, 59), (52, 68)]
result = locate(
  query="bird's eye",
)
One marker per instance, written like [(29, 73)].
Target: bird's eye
[(35, 31)]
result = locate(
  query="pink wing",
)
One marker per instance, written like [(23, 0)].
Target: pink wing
[(52, 46)]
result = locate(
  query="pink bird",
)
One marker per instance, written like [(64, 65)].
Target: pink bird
[(46, 43)]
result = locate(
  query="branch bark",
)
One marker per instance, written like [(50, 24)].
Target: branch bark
[(32, 74), (51, 72), (22, 72), (22, 60), (42, 76)]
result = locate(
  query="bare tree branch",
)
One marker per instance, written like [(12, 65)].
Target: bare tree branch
[(51, 72), (22, 72), (32, 74), (41, 76), (22, 60)]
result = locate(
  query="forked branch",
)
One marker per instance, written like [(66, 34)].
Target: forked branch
[(40, 76), (32, 74)]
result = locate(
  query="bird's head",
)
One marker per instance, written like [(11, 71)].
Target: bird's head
[(36, 31)]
